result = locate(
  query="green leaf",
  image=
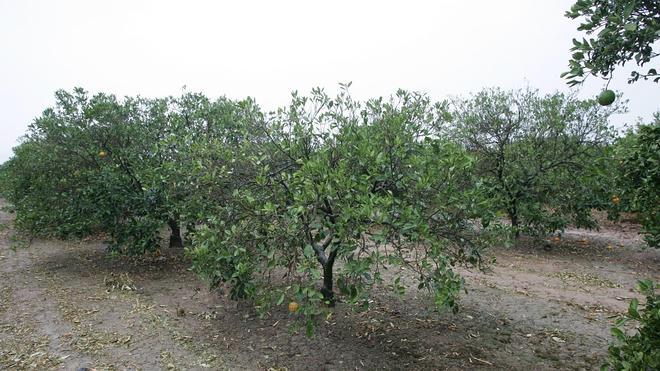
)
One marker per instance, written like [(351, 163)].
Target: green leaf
[(644, 286), (631, 27), (627, 11), (632, 309), (310, 328), (618, 333), (309, 252)]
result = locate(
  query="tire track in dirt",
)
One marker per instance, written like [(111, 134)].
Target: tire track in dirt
[(28, 321)]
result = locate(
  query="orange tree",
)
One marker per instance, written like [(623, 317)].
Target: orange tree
[(54, 174), (75, 172), (38, 187), (97, 164), (541, 157), (336, 191), (637, 159)]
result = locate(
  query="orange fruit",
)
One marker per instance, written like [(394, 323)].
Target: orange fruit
[(102, 154), (606, 98), (293, 307), (616, 200)]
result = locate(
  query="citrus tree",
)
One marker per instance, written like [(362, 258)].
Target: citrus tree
[(337, 193), (124, 167), (37, 186), (542, 157), (49, 180), (94, 164), (638, 181)]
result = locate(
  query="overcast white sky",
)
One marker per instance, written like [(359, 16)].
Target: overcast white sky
[(265, 49)]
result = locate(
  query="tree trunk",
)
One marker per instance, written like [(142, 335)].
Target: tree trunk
[(513, 216), (175, 236), (326, 290)]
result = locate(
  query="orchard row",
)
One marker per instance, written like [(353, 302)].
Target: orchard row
[(290, 193)]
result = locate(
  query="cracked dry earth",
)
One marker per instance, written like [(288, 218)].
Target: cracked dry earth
[(66, 305)]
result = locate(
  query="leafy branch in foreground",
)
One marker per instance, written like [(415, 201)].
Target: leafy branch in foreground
[(624, 30), (640, 351)]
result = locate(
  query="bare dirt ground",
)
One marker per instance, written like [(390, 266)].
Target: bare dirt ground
[(66, 305)]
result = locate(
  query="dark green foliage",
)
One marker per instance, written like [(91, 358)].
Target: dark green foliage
[(624, 30), (640, 351), (638, 157), (96, 164), (40, 191)]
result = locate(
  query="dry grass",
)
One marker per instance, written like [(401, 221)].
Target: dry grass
[(584, 279)]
